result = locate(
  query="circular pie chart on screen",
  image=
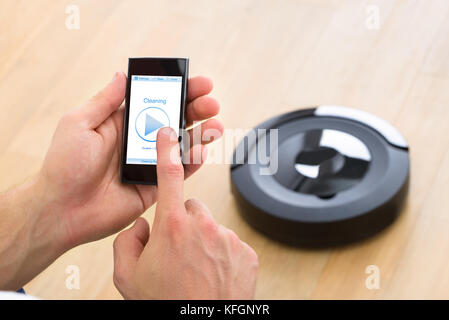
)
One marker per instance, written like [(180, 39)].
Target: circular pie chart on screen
[(149, 121)]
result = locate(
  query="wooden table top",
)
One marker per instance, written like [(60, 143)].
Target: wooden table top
[(266, 57)]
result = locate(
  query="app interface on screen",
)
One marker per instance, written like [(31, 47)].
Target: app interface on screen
[(154, 103)]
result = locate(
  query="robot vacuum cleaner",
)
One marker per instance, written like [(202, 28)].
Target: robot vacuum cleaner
[(322, 176)]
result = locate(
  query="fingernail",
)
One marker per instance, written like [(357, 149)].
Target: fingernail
[(115, 76), (171, 133)]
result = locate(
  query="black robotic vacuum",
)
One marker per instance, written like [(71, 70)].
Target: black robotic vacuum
[(322, 176)]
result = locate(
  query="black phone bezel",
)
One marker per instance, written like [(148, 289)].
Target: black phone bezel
[(142, 173)]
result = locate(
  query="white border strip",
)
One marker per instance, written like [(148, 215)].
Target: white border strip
[(390, 133)]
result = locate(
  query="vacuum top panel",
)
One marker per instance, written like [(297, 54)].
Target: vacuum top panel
[(301, 173)]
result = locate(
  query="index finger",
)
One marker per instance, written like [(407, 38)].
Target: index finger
[(170, 172)]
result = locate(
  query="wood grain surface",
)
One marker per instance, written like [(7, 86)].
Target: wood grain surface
[(265, 57)]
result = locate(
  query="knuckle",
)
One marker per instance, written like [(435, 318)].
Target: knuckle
[(232, 236), (116, 245), (117, 241), (209, 226), (232, 239), (118, 278), (254, 257), (173, 221), (252, 254), (174, 170)]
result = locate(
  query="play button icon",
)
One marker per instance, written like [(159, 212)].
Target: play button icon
[(151, 124), (149, 121)]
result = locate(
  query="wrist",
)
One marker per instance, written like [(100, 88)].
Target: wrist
[(31, 233), (46, 215)]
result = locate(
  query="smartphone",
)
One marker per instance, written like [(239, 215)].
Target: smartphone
[(156, 92)]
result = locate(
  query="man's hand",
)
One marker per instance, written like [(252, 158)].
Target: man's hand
[(77, 196), (81, 169), (187, 256)]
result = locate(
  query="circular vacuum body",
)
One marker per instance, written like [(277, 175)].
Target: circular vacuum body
[(327, 176)]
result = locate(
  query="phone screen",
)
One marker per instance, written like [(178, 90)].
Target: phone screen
[(156, 92), (155, 103)]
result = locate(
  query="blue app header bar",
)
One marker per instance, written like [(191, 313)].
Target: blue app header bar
[(157, 78)]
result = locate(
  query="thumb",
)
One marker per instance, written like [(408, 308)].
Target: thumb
[(128, 247), (105, 102)]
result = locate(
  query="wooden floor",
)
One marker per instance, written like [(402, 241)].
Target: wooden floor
[(265, 57)]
